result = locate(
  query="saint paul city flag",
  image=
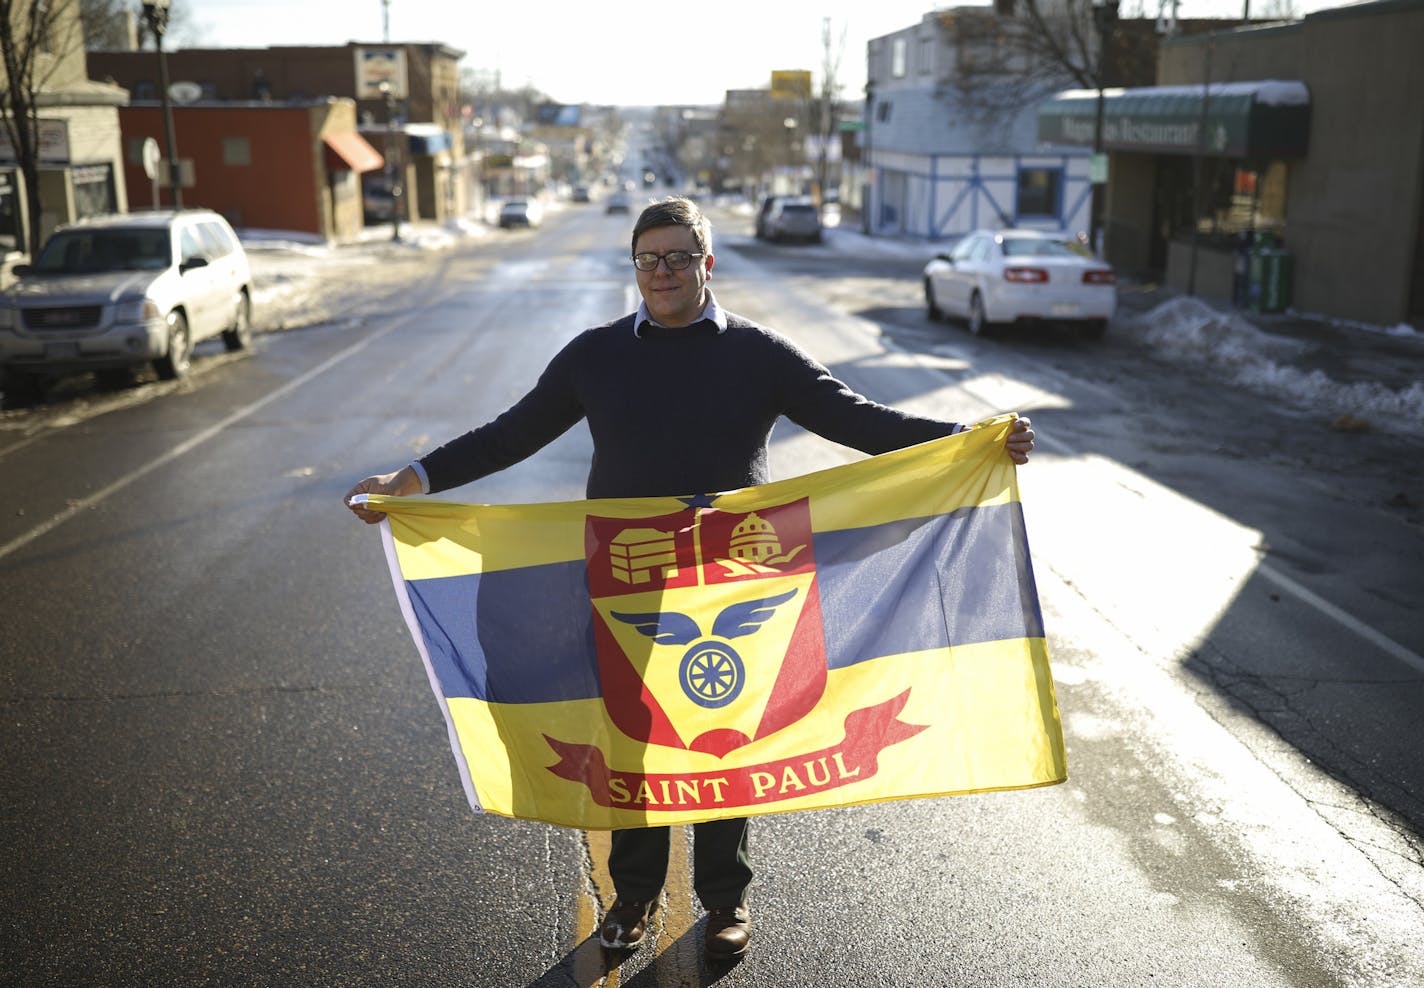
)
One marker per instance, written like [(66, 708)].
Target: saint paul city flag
[(865, 633)]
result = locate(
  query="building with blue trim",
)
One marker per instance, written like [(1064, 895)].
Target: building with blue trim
[(939, 163)]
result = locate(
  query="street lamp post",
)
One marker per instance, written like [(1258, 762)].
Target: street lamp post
[(1105, 20), (393, 158), (867, 167), (792, 170), (155, 13)]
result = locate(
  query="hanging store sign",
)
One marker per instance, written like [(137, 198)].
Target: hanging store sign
[(1231, 120), (53, 143), (378, 66)]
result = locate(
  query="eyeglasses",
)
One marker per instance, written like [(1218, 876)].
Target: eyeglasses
[(677, 260)]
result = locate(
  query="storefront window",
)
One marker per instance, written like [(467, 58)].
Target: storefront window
[(9, 213), (1039, 190), (1241, 197), (93, 190)]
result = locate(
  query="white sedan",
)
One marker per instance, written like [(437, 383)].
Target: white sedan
[(997, 277)]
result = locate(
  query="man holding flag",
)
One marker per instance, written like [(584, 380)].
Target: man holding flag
[(651, 386)]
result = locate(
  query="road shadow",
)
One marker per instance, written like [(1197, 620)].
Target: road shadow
[(589, 965)]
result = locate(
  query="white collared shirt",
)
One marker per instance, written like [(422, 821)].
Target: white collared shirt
[(711, 311)]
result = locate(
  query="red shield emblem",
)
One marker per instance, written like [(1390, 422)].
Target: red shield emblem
[(707, 624)]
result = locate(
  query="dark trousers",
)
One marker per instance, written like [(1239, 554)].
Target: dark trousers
[(721, 864)]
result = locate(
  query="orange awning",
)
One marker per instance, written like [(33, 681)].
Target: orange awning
[(347, 150)]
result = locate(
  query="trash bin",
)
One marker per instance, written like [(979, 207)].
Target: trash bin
[(1241, 271), (1268, 279)]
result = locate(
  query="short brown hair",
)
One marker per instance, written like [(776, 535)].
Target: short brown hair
[(675, 211)]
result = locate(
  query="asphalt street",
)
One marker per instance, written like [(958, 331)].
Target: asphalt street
[(224, 765)]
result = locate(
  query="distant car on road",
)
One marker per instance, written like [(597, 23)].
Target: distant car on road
[(619, 202), (580, 193), (994, 278), (520, 212), (764, 211), (378, 203), (793, 219), (120, 291)]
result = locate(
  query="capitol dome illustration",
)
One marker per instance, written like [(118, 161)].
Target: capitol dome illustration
[(754, 540)]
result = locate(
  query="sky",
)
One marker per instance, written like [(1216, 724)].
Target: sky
[(614, 51)]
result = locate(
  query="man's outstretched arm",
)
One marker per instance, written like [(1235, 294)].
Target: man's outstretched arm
[(402, 483)]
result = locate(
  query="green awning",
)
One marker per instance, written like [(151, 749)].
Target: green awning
[(1266, 119)]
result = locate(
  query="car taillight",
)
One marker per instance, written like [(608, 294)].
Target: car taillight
[(1025, 274), (1098, 277)]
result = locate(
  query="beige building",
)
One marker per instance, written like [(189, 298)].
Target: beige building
[(80, 152), (1311, 132)]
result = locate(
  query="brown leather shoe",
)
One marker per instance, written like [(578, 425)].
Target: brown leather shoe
[(625, 923), (729, 931)]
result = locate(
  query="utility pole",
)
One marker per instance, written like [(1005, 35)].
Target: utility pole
[(395, 160), (155, 12), (386, 21), (1105, 20), (830, 64), (1197, 164)]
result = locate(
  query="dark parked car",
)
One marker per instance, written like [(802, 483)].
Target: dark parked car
[(520, 212), (763, 211), (793, 219)]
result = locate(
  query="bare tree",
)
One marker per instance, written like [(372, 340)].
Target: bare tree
[(108, 24), (1010, 55), (831, 54), (180, 30), (35, 36), (1274, 10), (118, 25)]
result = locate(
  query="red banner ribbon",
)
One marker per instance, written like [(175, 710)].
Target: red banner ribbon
[(868, 732)]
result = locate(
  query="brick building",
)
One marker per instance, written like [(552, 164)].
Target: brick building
[(414, 120)]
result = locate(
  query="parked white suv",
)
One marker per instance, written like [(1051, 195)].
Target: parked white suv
[(121, 291)]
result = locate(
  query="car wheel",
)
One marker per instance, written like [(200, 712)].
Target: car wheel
[(175, 364), (238, 336), (20, 389), (979, 323), (1094, 329), (931, 308)]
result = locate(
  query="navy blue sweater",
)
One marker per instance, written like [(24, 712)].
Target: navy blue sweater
[(677, 412)]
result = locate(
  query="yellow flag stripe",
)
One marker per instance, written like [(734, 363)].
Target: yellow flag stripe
[(435, 538)]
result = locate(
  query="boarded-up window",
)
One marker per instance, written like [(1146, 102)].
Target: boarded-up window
[(237, 151)]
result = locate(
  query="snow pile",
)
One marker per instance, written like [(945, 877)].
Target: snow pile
[(1187, 330), (287, 264)]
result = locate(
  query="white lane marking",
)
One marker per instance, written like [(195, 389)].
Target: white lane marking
[(1377, 638), (193, 442)]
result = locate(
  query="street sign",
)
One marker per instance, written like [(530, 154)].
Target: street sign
[(1098, 169), (151, 157), (186, 178)]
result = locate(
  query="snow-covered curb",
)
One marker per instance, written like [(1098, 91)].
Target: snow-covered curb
[(1189, 330)]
